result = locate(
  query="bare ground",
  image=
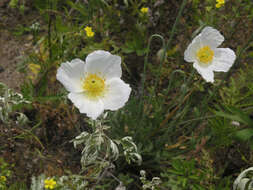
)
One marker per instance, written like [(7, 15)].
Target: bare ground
[(12, 47), (11, 50)]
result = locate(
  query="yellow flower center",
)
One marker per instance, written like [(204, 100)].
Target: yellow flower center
[(94, 86), (205, 54)]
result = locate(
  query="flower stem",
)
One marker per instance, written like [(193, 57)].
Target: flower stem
[(165, 47), (175, 23), (49, 28)]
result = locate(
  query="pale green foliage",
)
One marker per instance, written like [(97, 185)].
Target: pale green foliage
[(94, 143), (35, 26), (120, 187), (151, 185), (244, 181), (100, 149), (130, 150), (71, 182), (38, 183), (8, 100)]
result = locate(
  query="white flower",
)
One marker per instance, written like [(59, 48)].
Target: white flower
[(205, 55), (95, 85)]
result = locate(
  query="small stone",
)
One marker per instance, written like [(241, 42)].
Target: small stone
[(29, 37)]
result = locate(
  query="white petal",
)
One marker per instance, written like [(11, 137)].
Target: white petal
[(103, 62), (211, 37), (70, 74), (205, 72), (223, 59), (93, 108), (190, 52), (117, 95)]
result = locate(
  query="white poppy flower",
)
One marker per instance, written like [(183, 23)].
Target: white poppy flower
[(205, 55), (95, 85)]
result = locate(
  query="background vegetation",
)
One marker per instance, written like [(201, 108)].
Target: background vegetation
[(191, 134)]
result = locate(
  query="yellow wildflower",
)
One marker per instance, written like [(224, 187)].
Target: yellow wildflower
[(144, 10), (219, 3), (2, 178), (34, 68), (49, 183), (89, 31)]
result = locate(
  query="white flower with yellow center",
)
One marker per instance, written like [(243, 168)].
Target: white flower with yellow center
[(205, 55), (95, 85)]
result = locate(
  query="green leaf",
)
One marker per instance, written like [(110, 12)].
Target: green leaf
[(243, 116), (236, 115), (244, 134)]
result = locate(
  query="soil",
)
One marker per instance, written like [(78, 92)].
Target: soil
[(10, 52), (28, 155), (11, 48)]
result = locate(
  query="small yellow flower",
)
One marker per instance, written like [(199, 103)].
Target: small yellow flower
[(89, 31), (219, 3), (49, 183), (144, 10), (34, 68), (3, 178)]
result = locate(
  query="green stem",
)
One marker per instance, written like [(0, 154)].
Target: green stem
[(145, 68), (165, 47), (146, 60), (169, 41), (49, 29), (172, 77), (175, 23)]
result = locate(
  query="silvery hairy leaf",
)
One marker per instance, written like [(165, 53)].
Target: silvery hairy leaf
[(114, 150), (242, 181), (120, 187), (80, 139), (130, 150), (22, 119)]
